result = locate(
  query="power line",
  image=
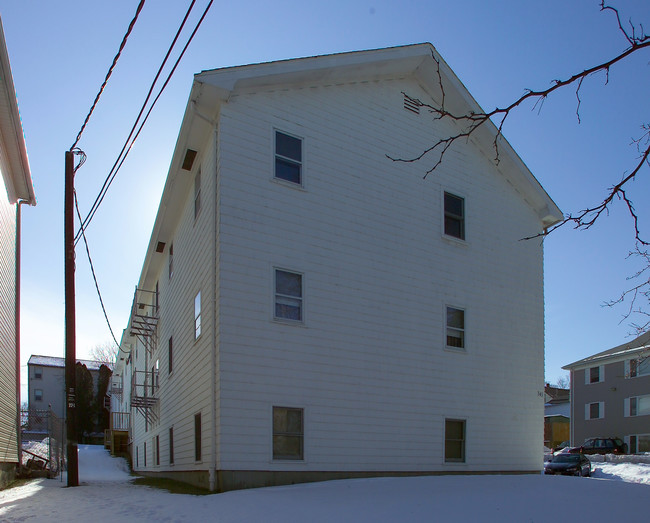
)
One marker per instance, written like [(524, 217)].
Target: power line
[(108, 74), (127, 146)]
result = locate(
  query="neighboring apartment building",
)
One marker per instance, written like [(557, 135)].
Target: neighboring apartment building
[(46, 382), (309, 309), (16, 189), (610, 395)]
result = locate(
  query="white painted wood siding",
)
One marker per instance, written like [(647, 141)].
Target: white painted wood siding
[(369, 364), (187, 390), (8, 408)]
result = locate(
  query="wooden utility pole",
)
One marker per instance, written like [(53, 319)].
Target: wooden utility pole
[(70, 335)]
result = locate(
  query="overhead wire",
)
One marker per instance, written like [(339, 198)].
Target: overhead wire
[(109, 73), (131, 139)]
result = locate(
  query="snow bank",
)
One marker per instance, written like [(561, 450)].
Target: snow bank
[(103, 497)]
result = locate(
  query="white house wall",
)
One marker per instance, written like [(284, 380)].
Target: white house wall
[(8, 403), (187, 390), (368, 366)]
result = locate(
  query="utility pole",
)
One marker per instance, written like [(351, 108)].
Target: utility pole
[(70, 324)]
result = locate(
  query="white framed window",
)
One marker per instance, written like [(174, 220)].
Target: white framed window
[(38, 394), (288, 302), (595, 410), (197, 315), (288, 158), (455, 333), (38, 373), (595, 374), (454, 224), (170, 261), (637, 367), (639, 443), (455, 440), (288, 433), (637, 406)]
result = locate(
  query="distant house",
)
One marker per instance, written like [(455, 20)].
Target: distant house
[(46, 382), (557, 416), (309, 309), (610, 395), (17, 189)]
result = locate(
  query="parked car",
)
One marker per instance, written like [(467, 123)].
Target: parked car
[(561, 446), (569, 465), (601, 446)]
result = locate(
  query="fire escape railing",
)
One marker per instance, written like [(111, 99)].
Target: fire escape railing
[(144, 318), (144, 386)]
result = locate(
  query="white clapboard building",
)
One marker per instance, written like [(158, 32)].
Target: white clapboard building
[(310, 309)]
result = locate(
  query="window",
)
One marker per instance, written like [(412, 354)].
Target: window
[(38, 394), (638, 406), (170, 260), (197, 193), (137, 456), (197, 315), (639, 367), (38, 374), (171, 445), (454, 216), (639, 443), (288, 158), (145, 453), (288, 433), (288, 295), (156, 446), (595, 374), (170, 357), (197, 437), (595, 410), (455, 328), (455, 440)]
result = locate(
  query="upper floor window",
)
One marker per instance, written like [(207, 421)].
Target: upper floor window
[(38, 374), (454, 216), (38, 394), (170, 260), (197, 315), (595, 374), (288, 295), (455, 328), (197, 193), (639, 367), (595, 410), (288, 158), (638, 406), (170, 355)]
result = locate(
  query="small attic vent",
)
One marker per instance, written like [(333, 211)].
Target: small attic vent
[(188, 161), (411, 104), (160, 247)]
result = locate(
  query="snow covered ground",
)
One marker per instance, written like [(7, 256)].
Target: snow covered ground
[(106, 494)]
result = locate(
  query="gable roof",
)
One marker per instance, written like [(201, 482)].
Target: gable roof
[(13, 153), (213, 87), (620, 352)]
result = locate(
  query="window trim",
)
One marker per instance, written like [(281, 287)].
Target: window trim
[(632, 370), (601, 410), (301, 298), (632, 404), (300, 435), (601, 374), (463, 458), (462, 218), (197, 316), (463, 348), (281, 157)]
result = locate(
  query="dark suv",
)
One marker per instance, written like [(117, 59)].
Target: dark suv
[(601, 446)]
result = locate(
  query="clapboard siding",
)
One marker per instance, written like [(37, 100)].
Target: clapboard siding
[(8, 414), (187, 390), (369, 365)]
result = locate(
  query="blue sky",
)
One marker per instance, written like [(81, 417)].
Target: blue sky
[(60, 52)]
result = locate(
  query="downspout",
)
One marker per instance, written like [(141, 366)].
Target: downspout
[(213, 468), (17, 317)]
